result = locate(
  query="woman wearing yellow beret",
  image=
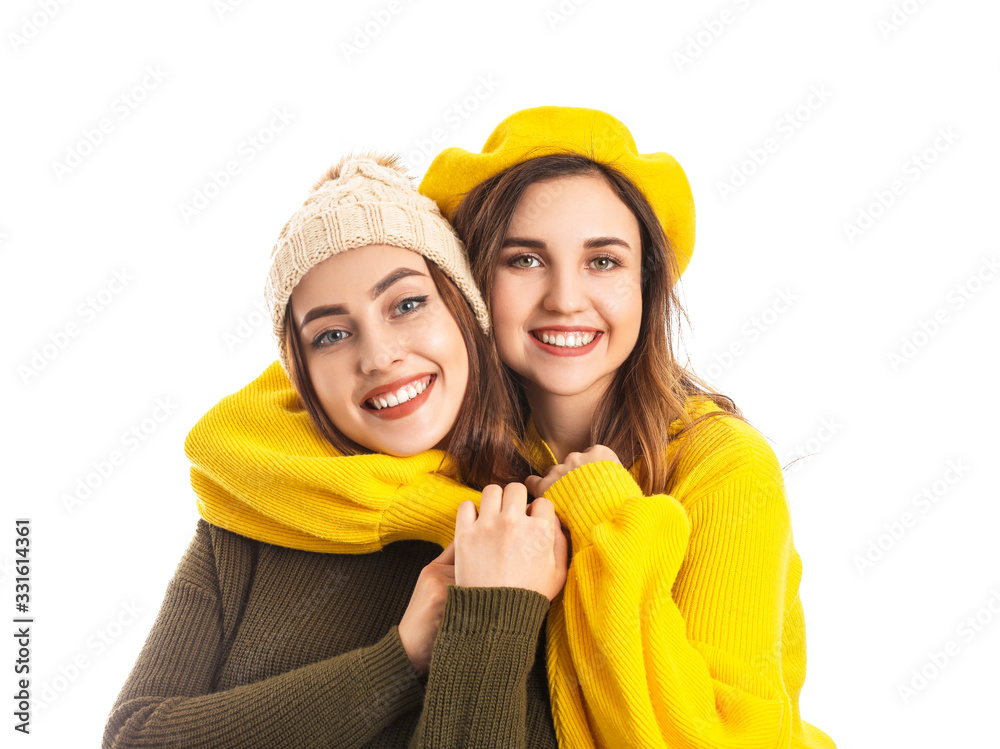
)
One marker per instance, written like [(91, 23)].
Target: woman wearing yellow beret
[(680, 623)]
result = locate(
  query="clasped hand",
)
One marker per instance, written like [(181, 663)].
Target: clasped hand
[(538, 485), (506, 543), (510, 543)]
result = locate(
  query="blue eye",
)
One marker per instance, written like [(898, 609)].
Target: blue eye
[(335, 337), (410, 304)]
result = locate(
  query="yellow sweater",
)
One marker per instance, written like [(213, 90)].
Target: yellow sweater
[(680, 624)]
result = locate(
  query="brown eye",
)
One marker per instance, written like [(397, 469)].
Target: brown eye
[(605, 262), (523, 261)]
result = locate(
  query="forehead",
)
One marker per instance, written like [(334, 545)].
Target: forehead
[(349, 276), (581, 204)]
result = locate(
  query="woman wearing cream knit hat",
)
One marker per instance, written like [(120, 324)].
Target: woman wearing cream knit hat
[(317, 608)]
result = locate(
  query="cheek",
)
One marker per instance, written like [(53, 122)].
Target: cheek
[(328, 380), (509, 349), (507, 302), (621, 304), (459, 360), (445, 346)]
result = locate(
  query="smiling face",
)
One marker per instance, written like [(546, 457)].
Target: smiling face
[(566, 296), (385, 356)]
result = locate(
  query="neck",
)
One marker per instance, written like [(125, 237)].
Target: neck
[(563, 421)]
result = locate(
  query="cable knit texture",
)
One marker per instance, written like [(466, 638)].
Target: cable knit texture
[(256, 645), (680, 624)]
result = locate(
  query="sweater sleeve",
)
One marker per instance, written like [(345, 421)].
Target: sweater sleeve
[(673, 613), (476, 692), (168, 699)]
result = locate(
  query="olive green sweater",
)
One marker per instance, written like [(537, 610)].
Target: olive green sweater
[(258, 645)]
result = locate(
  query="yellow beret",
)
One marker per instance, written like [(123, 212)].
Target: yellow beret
[(540, 131)]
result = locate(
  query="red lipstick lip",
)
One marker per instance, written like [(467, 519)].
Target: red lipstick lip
[(391, 387), (403, 409), (565, 351)]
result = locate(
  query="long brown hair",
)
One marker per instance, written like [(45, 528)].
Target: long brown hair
[(482, 440), (650, 388)]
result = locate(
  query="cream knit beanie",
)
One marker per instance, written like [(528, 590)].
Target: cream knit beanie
[(365, 199)]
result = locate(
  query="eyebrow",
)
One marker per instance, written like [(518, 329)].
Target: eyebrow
[(591, 244), (379, 288), (376, 291)]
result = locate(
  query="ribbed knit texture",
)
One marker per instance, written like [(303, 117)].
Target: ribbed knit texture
[(261, 469), (261, 646), (680, 624)]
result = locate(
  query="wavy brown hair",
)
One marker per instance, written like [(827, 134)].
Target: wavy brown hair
[(483, 439), (650, 388)]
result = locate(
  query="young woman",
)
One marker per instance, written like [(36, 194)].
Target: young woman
[(680, 623), (262, 639)]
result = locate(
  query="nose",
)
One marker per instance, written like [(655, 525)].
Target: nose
[(382, 348), (564, 293)]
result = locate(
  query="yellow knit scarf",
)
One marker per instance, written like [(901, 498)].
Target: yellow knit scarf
[(261, 469)]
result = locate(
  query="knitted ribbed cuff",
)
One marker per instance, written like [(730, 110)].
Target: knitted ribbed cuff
[(393, 683), (590, 495), (515, 611), (483, 655)]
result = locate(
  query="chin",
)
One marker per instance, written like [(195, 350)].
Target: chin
[(407, 449), (399, 453), (554, 384)]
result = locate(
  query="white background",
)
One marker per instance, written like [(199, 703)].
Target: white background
[(815, 376)]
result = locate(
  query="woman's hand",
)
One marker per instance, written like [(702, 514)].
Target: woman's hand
[(538, 485), (510, 544), (420, 624)]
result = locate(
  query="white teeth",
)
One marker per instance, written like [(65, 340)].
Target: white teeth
[(404, 394), (569, 340)]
